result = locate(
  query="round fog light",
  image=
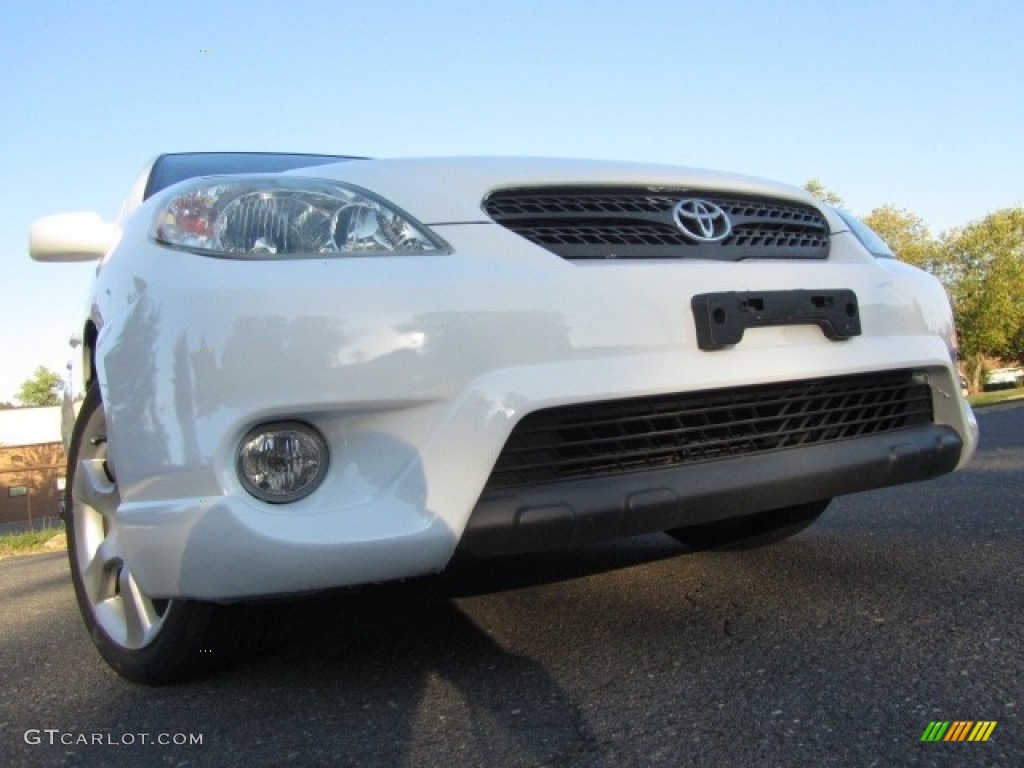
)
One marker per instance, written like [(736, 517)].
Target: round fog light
[(282, 461)]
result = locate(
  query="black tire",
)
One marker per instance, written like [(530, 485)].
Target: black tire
[(751, 531), (146, 640)]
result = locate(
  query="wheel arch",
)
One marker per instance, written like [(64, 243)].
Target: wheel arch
[(89, 335)]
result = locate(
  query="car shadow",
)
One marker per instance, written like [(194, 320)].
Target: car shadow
[(395, 666)]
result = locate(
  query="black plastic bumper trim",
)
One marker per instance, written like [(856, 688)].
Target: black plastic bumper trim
[(574, 512)]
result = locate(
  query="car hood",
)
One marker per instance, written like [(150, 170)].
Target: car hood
[(450, 190)]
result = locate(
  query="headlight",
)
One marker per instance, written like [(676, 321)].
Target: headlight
[(260, 217)]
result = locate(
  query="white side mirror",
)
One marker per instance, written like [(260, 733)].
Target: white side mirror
[(81, 236)]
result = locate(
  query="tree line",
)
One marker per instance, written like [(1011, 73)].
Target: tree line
[(981, 264)]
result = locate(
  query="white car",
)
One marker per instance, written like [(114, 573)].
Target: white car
[(306, 372), (1004, 378)]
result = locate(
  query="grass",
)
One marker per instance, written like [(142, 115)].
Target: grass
[(999, 396), (32, 542)]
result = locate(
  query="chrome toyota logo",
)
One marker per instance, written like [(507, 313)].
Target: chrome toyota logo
[(701, 220)]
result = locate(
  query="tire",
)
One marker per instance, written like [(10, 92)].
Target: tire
[(146, 640), (751, 531)]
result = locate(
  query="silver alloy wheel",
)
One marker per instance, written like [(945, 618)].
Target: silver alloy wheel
[(129, 618)]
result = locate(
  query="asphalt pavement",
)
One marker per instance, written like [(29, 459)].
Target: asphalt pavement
[(835, 648)]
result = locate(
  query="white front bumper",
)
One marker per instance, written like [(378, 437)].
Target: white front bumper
[(416, 369)]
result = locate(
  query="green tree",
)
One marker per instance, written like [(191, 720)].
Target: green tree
[(41, 389), (907, 235), (823, 193), (984, 263)]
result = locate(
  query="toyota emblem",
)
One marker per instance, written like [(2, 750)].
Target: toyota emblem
[(702, 220)]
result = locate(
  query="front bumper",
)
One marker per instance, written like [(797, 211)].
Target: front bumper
[(416, 370)]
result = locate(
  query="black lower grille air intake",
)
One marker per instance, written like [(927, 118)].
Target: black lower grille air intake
[(641, 223), (617, 436)]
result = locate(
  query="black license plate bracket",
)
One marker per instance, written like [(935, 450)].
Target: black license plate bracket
[(722, 318)]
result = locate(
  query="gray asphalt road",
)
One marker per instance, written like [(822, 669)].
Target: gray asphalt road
[(837, 647)]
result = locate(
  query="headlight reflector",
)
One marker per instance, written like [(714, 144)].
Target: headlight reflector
[(260, 217), (282, 461)]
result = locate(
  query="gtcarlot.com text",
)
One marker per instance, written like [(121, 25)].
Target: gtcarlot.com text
[(55, 736)]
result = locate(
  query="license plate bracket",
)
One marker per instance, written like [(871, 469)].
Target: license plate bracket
[(722, 318)]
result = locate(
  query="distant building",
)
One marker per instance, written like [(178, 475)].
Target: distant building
[(32, 468)]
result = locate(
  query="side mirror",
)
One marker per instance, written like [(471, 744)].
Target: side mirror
[(82, 236)]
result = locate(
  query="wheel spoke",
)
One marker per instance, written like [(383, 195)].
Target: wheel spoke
[(89, 535), (97, 578), (139, 615), (94, 489)]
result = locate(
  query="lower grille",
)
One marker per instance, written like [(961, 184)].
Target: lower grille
[(618, 436)]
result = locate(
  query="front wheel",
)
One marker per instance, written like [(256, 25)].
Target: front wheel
[(751, 531), (148, 640)]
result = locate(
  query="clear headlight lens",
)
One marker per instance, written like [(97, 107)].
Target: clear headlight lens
[(272, 217)]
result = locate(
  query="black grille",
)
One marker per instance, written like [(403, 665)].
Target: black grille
[(638, 223), (617, 436)]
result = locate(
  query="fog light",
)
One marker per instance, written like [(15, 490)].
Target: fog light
[(282, 461)]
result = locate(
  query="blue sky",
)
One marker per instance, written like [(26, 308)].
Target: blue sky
[(917, 103)]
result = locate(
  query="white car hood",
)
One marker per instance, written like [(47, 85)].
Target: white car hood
[(450, 190)]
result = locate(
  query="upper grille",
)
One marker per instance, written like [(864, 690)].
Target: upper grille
[(637, 223), (617, 436)]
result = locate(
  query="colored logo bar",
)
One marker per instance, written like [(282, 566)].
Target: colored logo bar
[(958, 730)]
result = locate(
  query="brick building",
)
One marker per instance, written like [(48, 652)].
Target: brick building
[(32, 468)]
